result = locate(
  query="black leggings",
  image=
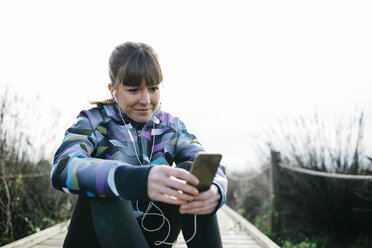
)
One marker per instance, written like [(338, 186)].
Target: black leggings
[(100, 222)]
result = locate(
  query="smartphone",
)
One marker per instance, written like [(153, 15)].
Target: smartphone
[(204, 167)]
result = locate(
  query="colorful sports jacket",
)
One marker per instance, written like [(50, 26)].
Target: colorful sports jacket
[(99, 158)]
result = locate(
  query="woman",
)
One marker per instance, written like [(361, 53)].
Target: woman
[(118, 157)]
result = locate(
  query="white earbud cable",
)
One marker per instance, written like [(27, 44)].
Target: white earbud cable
[(151, 203), (164, 219)]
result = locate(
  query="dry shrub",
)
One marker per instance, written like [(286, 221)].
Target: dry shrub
[(27, 202)]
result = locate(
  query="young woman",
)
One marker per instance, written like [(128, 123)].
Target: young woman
[(118, 157)]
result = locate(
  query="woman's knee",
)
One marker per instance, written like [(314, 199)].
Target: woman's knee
[(115, 223)]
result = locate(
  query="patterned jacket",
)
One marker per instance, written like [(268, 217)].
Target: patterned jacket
[(97, 156)]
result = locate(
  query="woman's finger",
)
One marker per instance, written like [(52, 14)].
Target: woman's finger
[(169, 200), (182, 186), (204, 203), (177, 194), (200, 208), (168, 195), (198, 204), (184, 175), (211, 193)]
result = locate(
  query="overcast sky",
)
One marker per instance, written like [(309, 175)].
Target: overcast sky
[(230, 67)]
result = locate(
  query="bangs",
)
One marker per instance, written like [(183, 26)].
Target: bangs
[(140, 65)]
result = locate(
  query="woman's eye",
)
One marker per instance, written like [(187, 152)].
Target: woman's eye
[(153, 89), (132, 90)]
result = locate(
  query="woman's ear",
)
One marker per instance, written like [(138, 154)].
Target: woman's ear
[(112, 91)]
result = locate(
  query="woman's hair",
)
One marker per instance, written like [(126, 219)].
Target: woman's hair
[(130, 63)]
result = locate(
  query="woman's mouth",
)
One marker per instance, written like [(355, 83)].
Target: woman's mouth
[(143, 110)]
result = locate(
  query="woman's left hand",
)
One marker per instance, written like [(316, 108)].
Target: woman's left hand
[(204, 203)]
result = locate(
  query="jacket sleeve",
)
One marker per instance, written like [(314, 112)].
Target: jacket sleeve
[(76, 171), (186, 149)]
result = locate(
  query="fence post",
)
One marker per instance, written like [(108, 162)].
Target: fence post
[(275, 179)]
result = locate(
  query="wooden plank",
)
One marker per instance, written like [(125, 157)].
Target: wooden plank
[(32, 240), (235, 233), (251, 230)]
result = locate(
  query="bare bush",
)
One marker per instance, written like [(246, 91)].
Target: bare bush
[(327, 211), (317, 143), (27, 202)]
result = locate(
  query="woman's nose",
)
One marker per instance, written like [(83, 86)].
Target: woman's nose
[(145, 97)]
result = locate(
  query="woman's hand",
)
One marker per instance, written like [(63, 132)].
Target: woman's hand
[(204, 203), (169, 185)]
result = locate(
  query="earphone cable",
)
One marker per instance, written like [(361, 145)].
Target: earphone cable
[(132, 139), (162, 224), (151, 203)]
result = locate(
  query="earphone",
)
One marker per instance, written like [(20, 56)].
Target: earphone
[(114, 96), (151, 203)]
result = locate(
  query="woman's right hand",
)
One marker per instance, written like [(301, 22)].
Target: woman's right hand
[(169, 185)]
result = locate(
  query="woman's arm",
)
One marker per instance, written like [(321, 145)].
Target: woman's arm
[(76, 171)]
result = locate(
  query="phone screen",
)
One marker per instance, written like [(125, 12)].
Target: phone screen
[(204, 167)]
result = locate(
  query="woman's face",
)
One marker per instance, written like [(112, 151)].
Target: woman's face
[(139, 103)]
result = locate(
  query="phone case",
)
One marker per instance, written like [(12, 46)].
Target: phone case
[(204, 167)]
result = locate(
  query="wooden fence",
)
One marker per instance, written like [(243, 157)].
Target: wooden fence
[(336, 205)]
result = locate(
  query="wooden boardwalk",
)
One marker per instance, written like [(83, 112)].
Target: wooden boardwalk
[(236, 232)]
